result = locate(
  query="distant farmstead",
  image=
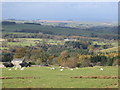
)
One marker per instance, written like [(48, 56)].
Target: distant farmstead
[(69, 39)]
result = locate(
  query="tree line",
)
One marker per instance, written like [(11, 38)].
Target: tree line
[(71, 54)]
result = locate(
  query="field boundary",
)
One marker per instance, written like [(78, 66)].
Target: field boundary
[(97, 77), (19, 77)]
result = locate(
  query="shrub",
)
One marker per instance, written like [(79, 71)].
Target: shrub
[(66, 60), (63, 57), (85, 63), (71, 62)]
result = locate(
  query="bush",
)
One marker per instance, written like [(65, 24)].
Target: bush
[(66, 60), (85, 63), (116, 62), (63, 57), (71, 62)]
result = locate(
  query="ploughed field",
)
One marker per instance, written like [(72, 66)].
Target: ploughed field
[(45, 77)]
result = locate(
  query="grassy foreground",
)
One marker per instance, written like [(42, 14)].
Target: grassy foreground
[(60, 79)]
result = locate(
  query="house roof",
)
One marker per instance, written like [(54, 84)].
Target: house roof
[(18, 59)]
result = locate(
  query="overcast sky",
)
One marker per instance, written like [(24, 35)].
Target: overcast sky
[(77, 11)]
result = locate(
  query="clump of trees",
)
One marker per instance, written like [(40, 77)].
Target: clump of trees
[(32, 23), (77, 44), (66, 60), (8, 23)]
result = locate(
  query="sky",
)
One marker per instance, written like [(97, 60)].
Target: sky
[(76, 11)]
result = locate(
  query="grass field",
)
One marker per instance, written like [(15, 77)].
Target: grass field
[(107, 42), (110, 49), (21, 43), (60, 79), (31, 42)]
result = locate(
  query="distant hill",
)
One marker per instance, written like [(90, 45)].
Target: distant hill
[(66, 29), (54, 21)]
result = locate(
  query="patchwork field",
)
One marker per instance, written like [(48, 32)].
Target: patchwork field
[(32, 42), (44, 77)]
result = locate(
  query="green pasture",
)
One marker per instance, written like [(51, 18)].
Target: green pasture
[(26, 43), (3, 48), (60, 79), (100, 43), (114, 43), (114, 49), (32, 42)]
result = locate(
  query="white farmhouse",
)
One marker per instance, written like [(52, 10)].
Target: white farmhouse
[(16, 62)]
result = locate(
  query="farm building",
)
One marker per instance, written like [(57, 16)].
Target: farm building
[(17, 61), (69, 39)]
